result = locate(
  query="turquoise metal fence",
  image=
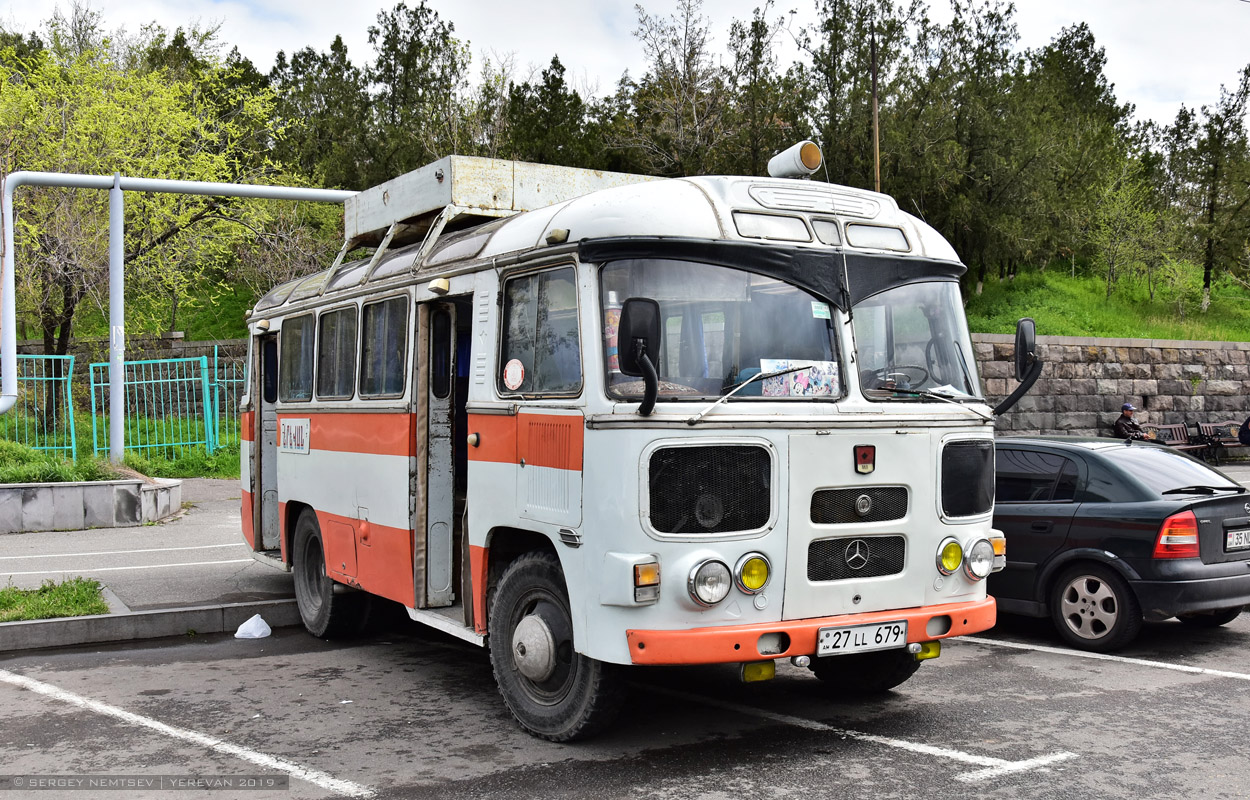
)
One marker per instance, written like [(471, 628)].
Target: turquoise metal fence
[(229, 384), (169, 405), (44, 415)]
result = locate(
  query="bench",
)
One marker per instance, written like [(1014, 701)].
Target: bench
[(1176, 436), (1220, 435)]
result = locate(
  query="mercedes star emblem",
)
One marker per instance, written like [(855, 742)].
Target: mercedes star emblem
[(856, 554)]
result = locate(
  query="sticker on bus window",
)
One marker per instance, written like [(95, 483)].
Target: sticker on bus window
[(819, 379), (293, 436), (513, 374), (820, 310)]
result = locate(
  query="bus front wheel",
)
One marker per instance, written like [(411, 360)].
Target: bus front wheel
[(555, 692), (325, 614)]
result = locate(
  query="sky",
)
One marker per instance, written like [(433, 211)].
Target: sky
[(1158, 57)]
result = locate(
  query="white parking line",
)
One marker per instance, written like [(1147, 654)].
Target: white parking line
[(315, 777), (992, 767), (144, 566), (125, 552), (1141, 662)]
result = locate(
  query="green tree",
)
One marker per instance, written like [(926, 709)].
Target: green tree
[(764, 115), (679, 105), (547, 121)]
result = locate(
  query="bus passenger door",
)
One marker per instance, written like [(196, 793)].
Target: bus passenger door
[(268, 454), (440, 464)]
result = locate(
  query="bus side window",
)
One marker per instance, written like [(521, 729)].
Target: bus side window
[(269, 368), (336, 355), (295, 368), (384, 342), (540, 332)]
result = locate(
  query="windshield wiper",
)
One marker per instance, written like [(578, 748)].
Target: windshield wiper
[(1205, 490), (759, 376), (945, 398)]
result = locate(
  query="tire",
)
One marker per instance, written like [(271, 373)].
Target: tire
[(1094, 609), (1212, 620), (325, 614), (556, 693), (865, 673)]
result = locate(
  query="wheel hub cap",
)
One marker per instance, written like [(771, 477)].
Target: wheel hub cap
[(534, 648)]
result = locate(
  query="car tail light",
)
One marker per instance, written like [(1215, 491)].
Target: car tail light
[(1178, 537)]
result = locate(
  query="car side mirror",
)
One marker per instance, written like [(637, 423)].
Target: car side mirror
[(639, 334), (1026, 346)]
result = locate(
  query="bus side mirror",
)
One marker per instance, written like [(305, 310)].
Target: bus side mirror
[(639, 335), (1026, 346), (1028, 365)]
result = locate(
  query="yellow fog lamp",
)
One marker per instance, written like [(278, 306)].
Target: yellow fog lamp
[(754, 671), (950, 555), (752, 572), (923, 651)]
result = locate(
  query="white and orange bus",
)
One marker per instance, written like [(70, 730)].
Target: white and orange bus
[(591, 420)]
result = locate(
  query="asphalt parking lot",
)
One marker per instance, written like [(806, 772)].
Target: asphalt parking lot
[(406, 713)]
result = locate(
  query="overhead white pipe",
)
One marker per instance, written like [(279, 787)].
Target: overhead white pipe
[(116, 184)]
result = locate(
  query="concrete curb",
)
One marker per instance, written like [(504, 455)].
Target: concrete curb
[(102, 628)]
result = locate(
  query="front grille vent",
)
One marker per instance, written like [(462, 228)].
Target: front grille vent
[(968, 478), (855, 557), (717, 489), (875, 504)]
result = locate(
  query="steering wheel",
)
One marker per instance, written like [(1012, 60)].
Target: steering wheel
[(907, 372)]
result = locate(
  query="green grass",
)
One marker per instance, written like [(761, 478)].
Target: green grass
[(75, 597), (22, 464), (187, 462), (1066, 306)]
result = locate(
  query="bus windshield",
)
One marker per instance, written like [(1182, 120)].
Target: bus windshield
[(721, 326), (913, 339)]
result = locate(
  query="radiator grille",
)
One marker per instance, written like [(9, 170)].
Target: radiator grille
[(839, 506), (967, 478), (720, 489), (855, 557)]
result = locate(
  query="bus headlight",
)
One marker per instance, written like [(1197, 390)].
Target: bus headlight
[(980, 561), (709, 582), (752, 572), (949, 556)]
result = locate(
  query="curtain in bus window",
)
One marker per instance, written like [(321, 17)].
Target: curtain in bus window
[(541, 334), (295, 366), (336, 354), (384, 342)]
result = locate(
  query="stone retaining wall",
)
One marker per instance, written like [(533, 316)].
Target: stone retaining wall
[(75, 506), (1085, 381)]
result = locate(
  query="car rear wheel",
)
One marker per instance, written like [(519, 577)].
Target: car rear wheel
[(1094, 608), (1212, 620), (865, 673)]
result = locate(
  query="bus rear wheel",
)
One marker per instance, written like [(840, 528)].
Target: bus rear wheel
[(865, 673), (555, 692), (325, 614)]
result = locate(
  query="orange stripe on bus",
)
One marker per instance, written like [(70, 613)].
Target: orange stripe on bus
[(737, 643), (247, 421), (249, 532), (477, 570), (380, 556), (542, 440), (373, 434)]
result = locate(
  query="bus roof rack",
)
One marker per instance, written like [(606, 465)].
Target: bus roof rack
[(457, 191)]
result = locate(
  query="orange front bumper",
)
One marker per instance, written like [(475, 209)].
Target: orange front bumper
[(734, 643)]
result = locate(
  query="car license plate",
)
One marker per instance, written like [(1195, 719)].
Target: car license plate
[(1237, 540), (861, 638)]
